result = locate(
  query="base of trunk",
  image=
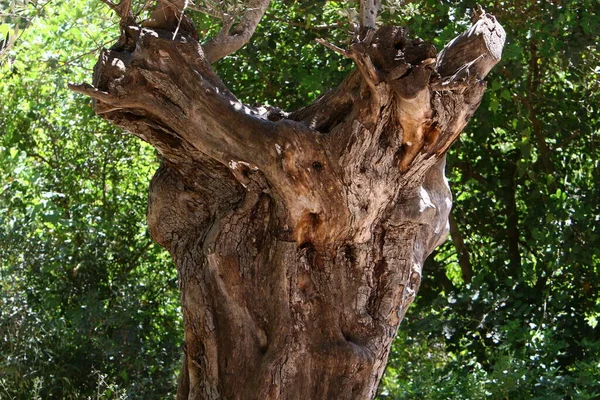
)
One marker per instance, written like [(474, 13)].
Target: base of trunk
[(269, 318)]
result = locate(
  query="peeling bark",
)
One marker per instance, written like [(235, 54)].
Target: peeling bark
[(299, 238)]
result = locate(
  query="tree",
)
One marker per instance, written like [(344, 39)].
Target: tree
[(74, 187), (88, 304), (526, 325), (299, 237)]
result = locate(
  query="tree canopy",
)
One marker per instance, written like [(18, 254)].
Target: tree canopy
[(508, 308)]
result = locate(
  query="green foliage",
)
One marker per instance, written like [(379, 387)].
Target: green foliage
[(282, 65), (525, 180), (89, 306), (84, 294)]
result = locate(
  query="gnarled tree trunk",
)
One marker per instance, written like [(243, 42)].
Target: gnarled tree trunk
[(299, 237)]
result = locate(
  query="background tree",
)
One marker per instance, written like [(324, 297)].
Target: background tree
[(439, 337), (87, 303), (514, 297)]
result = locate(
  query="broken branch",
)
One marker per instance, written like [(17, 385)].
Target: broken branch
[(485, 39)]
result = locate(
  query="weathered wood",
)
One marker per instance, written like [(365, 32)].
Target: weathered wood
[(299, 238), (474, 52), (368, 13)]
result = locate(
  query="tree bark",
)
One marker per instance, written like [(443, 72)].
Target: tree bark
[(299, 237)]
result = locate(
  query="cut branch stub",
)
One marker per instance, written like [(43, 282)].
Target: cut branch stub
[(299, 238), (473, 53)]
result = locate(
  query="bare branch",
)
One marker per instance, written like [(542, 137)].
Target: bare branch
[(360, 57), (368, 13), (94, 93), (227, 41), (333, 47), (169, 15), (305, 26), (210, 11), (473, 53), (122, 9), (462, 250)]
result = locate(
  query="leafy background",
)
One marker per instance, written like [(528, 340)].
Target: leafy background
[(508, 308)]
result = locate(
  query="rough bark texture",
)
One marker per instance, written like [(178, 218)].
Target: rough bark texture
[(299, 238)]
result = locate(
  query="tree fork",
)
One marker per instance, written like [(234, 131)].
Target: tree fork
[(299, 238)]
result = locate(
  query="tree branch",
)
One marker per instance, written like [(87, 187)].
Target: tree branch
[(473, 53), (532, 89), (333, 47), (368, 13), (464, 259), (166, 93), (160, 89), (169, 16), (227, 42), (512, 219), (383, 119), (468, 58), (123, 10)]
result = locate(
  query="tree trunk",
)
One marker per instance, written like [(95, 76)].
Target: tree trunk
[(299, 238)]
